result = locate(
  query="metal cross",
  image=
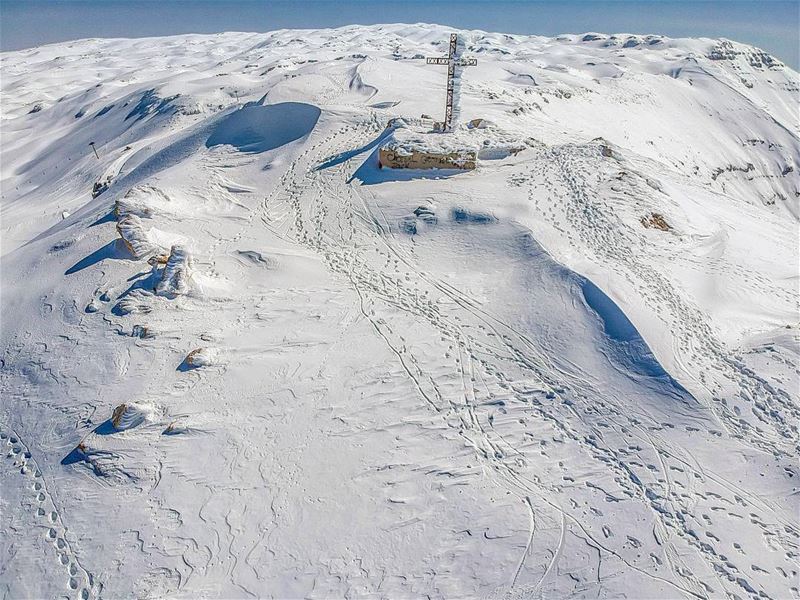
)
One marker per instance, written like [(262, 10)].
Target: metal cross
[(452, 62)]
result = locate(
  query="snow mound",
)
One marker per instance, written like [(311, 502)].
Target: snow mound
[(257, 128)]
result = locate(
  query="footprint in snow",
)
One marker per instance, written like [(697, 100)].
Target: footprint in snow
[(79, 578)]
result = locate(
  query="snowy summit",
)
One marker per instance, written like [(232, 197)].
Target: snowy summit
[(244, 357)]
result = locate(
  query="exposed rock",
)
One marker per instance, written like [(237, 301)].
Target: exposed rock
[(252, 257), (201, 357), (116, 417), (408, 225), (730, 169), (653, 183), (142, 332), (463, 215), (175, 428), (479, 124), (421, 159), (757, 58), (655, 221), (425, 213), (407, 149), (101, 186), (158, 259)]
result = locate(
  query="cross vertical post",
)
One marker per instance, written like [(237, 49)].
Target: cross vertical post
[(452, 61)]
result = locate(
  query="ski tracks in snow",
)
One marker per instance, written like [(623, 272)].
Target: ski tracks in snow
[(335, 220)]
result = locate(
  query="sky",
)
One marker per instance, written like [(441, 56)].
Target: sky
[(770, 24)]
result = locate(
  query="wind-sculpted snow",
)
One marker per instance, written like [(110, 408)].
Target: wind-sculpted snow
[(626, 344), (241, 360)]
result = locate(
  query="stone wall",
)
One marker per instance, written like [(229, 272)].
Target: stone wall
[(464, 160)]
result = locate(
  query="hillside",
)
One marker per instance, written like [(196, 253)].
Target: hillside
[(241, 360)]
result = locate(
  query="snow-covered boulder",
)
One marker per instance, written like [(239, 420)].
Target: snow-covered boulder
[(136, 238), (137, 302), (101, 186), (175, 277), (409, 147), (132, 414), (201, 357), (140, 201)]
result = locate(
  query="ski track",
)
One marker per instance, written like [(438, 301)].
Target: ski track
[(307, 227)]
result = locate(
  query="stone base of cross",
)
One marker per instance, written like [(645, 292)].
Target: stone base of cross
[(452, 61)]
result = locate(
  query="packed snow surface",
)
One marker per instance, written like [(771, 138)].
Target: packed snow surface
[(239, 360)]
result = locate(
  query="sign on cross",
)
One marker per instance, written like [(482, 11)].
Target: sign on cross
[(452, 61)]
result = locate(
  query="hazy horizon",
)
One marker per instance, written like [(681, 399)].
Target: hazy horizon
[(771, 25)]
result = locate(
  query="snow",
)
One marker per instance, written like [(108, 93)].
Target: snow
[(334, 380), (258, 128)]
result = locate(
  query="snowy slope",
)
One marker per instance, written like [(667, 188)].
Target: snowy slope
[(254, 364)]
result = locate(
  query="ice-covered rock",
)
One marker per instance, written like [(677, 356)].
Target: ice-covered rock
[(176, 274), (137, 301), (136, 237), (140, 201)]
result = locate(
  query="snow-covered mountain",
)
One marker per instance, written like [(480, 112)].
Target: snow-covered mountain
[(240, 360)]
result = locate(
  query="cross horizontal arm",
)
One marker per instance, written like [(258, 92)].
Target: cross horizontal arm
[(461, 62)]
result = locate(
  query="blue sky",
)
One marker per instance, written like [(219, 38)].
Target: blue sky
[(770, 24)]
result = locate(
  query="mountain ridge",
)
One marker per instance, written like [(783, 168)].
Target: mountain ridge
[(570, 371)]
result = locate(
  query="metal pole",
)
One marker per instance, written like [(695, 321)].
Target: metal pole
[(95, 150)]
